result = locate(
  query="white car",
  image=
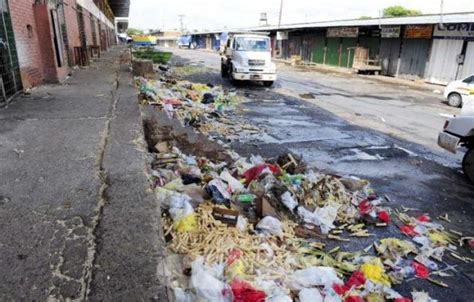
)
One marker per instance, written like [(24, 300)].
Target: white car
[(456, 92)]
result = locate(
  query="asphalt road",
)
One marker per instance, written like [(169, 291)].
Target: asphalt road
[(355, 125)]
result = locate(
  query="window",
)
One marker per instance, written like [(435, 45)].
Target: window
[(29, 29), (252, 44), (469, 80)]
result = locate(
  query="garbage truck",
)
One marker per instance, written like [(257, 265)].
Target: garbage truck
[(247, 57), (458, 132)]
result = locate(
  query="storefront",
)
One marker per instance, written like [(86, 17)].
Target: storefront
[(451, 49), (340, 46), (390, 49), (415, 47)]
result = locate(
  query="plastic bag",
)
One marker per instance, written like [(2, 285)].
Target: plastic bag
[(234, 184), (207, 286), (313, 276), (310, 295), (235, 267), (244, 292), (270, 225), (217, 190), (374, 271), (289, 201), (323, 217), (182, 212)]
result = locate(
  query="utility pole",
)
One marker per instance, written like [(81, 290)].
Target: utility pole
[(181, 17), (281, 13), (441, 12)]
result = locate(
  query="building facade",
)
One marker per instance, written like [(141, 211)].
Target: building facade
[(434, 48), (42, 40)]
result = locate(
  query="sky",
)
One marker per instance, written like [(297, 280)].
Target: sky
[(219, 14)]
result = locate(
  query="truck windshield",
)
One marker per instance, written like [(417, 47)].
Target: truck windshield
[(252, 44)]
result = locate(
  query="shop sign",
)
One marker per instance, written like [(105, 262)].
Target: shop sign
[(343, 32), (391, 31), (282, 35), (418, 31), (455, 30)]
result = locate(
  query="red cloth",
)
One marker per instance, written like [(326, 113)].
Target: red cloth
[(420, 270), (255, 172), (244, 292), (402, 300), (383, 216), (354, 299), (408, 230)]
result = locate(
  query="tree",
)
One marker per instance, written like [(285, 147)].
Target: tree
[(400, 11), (134, 31)]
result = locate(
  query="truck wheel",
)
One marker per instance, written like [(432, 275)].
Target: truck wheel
[(468, 164), (267, 83), (454, 99)]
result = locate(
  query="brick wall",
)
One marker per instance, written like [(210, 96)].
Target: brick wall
[(27, 42), (72, 26), (87, 23)]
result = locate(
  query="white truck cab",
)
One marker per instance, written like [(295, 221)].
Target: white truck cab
[(457, 91), (248, 57)]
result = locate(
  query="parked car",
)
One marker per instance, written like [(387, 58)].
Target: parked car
[(456, 92), (459, 132)]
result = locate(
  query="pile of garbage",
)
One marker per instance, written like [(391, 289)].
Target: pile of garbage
[(203, 107), (251, 229), (255, 229)]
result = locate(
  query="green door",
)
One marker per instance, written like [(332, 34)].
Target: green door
[(318, 50), (332, 51), (373, 44), (347, 51), (10, 80)]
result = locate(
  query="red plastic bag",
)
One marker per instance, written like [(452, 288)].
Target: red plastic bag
[(354, 299), (244, 292), (365, 207), (174, 102), (255, 172), (408, 230), (383, 216), (356, 279), (423, 218), (420, 270), (402, 300)]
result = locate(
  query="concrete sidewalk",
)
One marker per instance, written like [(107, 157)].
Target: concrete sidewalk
[(77, 218), (418, 84)]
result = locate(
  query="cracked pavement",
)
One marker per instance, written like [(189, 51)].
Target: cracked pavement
[(76, 219)]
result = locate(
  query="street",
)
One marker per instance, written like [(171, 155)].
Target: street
[(401, 161)]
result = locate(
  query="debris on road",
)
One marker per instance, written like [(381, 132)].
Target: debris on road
[(255, 228)]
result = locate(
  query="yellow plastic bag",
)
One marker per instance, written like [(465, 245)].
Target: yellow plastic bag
[(374, 271), (186, 224)]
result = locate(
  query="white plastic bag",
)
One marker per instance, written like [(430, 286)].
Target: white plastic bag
[(310, 295), (313, 276), (289, 201), (234, 184), (270, 225), (206, 285), (323, 217)]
